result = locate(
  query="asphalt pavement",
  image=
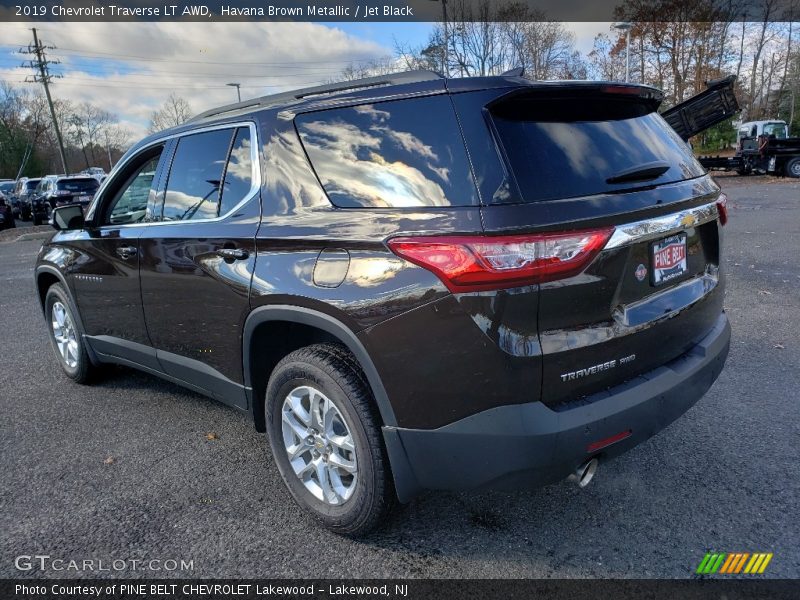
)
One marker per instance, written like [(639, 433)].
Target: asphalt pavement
[(127, 469)]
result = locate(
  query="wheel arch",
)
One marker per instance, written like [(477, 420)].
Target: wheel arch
[(308, 326), (46, 277)]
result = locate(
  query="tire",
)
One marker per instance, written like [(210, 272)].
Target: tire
[(77, 364), (358, 497), (792, 168)]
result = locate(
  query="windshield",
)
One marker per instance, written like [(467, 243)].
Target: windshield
[(6, 186), (776, 129), (78, 185)]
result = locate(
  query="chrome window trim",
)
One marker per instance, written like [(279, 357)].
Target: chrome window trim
[(255, 184), (650, 229)]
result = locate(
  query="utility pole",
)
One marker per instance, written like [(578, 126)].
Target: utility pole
[(108, 149), (40, 64), (626, 27)]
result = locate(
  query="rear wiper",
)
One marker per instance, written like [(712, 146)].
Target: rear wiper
[(643, 172)]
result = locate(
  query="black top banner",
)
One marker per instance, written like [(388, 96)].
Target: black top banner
[(399, 10)]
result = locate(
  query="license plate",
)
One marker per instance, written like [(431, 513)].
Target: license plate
[(84, 198), (668, 258)]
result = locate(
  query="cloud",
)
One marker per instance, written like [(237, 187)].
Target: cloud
[(130, 68)]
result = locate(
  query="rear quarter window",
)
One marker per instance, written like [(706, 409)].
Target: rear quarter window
[(397, 154)]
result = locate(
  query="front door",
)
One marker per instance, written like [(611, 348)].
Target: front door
[(197, 260), (106, 269)]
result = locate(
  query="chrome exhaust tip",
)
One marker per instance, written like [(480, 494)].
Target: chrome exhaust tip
[(585, 473)]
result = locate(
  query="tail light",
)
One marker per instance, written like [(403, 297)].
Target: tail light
[(476, 263), (722, 208)]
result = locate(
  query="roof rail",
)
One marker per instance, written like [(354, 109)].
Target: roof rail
[(320, 90)]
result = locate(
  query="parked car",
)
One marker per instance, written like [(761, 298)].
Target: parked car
[(24, 190), (7, 187), (96, 172), (6, 214), (41, 199), (58, 191), (408, 282)]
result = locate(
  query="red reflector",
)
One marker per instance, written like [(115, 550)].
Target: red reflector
[(476, 263), (722, 208), (600, 444)]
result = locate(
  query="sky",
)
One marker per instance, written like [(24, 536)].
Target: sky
[(130, 68)]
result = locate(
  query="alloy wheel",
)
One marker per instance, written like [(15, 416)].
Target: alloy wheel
[(319, 445), (64, 334)]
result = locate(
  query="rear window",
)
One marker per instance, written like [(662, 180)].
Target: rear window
[(560, 149), (31, 185), (404, 153), (78, 185)]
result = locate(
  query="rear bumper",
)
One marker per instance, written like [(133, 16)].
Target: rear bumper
[(529, 445)]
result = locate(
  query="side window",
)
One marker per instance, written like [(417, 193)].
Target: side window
[(130, 201), (404, 153), (195, 178), (239, 172)]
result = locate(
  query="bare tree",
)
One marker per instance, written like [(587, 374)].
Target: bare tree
[(605, 60), (174, 111), (87, 125), (370, 68)]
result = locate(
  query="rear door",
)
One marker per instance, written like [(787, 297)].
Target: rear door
[(198, 256), (590, 158)]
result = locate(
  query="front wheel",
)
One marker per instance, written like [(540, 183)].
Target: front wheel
[(66, 336), (326, 441)]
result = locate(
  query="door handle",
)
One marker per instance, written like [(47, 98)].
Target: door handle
[(231, 254), (126, 251)]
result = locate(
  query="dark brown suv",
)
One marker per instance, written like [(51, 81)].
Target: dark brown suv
[(408, 282)]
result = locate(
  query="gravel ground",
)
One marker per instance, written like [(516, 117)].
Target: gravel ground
[(125, 470), (9, 235)]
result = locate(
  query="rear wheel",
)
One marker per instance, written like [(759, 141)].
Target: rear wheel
[(326, 441), (793, 168), (66, 335)]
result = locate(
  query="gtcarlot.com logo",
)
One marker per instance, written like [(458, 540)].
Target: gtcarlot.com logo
[(734, 563), (45, 562)]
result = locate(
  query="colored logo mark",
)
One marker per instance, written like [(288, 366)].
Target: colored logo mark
[(734, 563)]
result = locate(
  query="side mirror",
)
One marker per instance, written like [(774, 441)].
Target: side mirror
[(67, 217)]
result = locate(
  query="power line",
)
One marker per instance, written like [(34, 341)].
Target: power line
[(41, 67), (184, 86), (277, 64)]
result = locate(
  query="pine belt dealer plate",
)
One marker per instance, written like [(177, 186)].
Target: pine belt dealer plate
[(668, 258)]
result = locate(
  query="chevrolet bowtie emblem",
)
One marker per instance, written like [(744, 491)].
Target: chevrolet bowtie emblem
[(689, 220)]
